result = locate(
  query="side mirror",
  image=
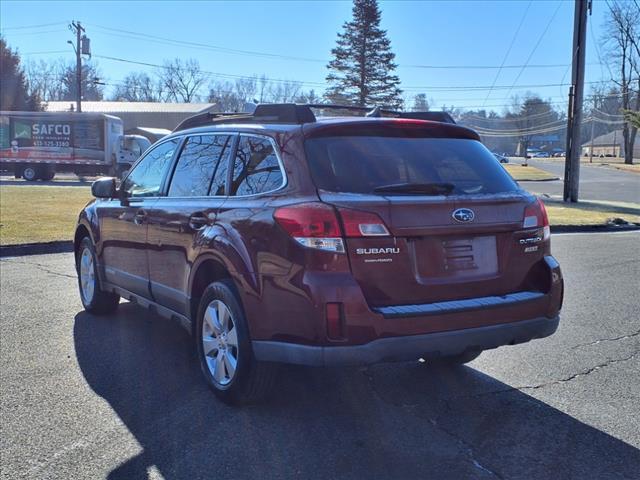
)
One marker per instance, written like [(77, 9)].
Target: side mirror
[(104, 187)]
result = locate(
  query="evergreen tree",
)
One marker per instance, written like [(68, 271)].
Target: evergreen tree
[(420, 103), (362, 68), (14, 90), (91, 91)]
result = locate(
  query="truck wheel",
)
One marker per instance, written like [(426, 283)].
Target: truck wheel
[(48, 174), (30, 174), (224, 348)]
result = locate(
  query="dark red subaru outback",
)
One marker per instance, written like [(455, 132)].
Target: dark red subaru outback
[(286, 238)]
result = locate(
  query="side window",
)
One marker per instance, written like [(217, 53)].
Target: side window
[(202, 165), (255, 168), (145, 179)]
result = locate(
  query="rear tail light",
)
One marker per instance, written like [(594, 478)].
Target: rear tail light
[(313, 225), (362, 224), (535, 216), (316, 225)]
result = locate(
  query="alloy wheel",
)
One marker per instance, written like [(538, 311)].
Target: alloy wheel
[(220, 342), (87, 276)]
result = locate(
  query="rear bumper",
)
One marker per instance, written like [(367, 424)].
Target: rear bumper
[(409, 347)]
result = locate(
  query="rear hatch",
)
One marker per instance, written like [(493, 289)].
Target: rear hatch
[(454, 217)]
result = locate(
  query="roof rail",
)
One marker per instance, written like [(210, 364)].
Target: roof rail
[(443, 117), (293, 113)]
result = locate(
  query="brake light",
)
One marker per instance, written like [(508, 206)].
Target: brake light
[(314, 225), (362, 224), (535, 216)]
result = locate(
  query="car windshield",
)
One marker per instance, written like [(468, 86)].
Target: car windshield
[(392, 165)]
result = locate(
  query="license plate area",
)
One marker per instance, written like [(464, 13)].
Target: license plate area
[(456, 257)]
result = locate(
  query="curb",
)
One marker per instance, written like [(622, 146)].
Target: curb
[(66, 246), (61, 246), (540, 180), (594, 228)]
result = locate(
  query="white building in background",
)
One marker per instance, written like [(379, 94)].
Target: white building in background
[(137, 115)]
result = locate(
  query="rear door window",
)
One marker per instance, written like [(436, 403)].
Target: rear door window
[(255, 168), (366, 164), (202, 167)]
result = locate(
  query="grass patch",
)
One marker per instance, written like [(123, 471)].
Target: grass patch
[(527, 174), (590, 212), (30, 214), (623, 166)]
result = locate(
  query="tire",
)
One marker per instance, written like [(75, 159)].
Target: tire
[(229, 367), (48, 174), (30, 173), (93, 298), (461, 359)]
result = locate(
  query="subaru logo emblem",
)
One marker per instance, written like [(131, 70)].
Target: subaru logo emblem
[(463, 215)]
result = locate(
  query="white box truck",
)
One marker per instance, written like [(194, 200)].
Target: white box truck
[(36, 145)]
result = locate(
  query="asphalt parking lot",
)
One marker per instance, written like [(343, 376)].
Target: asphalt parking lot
[(596, 182), (120, 397)]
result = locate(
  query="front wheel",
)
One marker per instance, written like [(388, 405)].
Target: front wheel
[(93, 298), (224, 348)]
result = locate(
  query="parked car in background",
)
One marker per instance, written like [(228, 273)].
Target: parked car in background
[(541, 155), (559, 154), (501, 158), (283, 237)]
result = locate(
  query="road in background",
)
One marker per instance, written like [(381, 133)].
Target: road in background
[(121, 397), (596, 182), (61, 180)]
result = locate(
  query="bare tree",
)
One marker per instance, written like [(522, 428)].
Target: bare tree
[(138, 87), (45, 78), (285, 91), (90, 76), (182, 79), (246, 88), (223, 94), (622, 39)]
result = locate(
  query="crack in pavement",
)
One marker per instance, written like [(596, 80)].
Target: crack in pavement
[(39, 266), (552, 382), (469, 447), (615, 339), (463, 445)]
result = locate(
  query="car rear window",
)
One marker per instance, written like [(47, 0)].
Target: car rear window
[(362, 164)]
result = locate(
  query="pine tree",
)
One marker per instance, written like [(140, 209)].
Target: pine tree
[(362, 68), (420, 103), (14, 90)]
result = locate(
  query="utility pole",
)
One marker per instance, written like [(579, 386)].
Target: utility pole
[(77, 28), (591, 148), (576, 94)]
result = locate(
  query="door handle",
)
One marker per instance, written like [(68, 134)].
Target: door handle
[(140, 217), (198, 221)]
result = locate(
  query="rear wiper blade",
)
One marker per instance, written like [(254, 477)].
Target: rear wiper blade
[(417, 188)]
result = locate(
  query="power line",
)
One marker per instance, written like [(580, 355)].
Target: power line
[(27, 27), (172, 41), (322, 84), (544, 32), (513, 40)]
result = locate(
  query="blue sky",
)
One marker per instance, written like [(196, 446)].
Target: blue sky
[(428, 33)]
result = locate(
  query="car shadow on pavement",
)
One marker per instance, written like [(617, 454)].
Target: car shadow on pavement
[(403, 420)]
